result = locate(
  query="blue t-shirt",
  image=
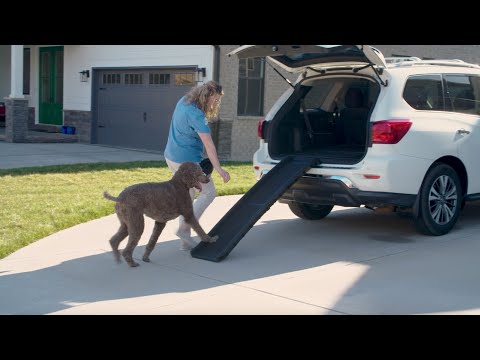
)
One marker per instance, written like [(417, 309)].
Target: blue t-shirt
[(183, 143)]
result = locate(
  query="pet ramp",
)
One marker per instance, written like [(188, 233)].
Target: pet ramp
[(251, 206)]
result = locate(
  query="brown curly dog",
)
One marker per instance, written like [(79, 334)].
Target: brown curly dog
[(161, 201)]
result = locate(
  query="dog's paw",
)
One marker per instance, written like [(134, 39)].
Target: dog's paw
[(129, 260), (146, 258), (116, 256)]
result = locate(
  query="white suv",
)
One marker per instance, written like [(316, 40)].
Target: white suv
[(389, 134)]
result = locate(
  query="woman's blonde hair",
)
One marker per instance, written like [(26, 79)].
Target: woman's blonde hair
[(199, 96)]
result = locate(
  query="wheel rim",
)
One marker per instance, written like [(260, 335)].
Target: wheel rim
[(443, 200)]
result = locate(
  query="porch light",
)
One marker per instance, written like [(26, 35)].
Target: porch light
[(84, 75), (201, 72)]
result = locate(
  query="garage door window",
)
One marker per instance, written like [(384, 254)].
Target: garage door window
[(133, 79), (185, 79), (111, 79), (159, 79)]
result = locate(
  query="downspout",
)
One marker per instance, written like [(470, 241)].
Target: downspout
[(216, 77), (216, 63)]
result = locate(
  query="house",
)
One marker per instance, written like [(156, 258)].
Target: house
[(113, 95), (124, 95)]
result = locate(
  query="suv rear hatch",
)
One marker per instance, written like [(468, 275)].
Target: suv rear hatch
[(328, 112), (295, 58)]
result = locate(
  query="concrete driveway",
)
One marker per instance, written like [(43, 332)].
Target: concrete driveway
[(352, 262)]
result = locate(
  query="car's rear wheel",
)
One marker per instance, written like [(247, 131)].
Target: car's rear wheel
[(309, 211), (440, 201)]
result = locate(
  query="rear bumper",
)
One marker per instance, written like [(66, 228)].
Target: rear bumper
[(323, 191)]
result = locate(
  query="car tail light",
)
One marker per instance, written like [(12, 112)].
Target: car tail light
[(390, 131), (261, 129)]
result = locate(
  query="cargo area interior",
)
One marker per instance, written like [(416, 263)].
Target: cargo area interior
[(325, 117)]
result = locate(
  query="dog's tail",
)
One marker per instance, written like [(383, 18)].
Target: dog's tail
[(110, 197)]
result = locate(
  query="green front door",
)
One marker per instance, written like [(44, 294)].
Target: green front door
[(51, 85)]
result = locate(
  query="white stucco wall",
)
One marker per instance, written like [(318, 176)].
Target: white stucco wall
[(77, 94)]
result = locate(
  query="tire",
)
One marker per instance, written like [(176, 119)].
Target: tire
[(309, 211), (440, 201)]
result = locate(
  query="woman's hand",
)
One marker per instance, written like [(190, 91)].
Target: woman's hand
[(212, 155), (225, 175)]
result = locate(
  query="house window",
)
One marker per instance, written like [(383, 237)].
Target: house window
[(26, 71), (251, 77)]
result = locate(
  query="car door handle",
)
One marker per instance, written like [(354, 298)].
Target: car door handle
[(463, 132)]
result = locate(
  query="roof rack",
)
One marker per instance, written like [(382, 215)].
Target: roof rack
[(400, 59), (411, 61)]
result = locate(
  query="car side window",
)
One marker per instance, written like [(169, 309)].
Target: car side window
[(463, 92), (424, 92), (475, 81)]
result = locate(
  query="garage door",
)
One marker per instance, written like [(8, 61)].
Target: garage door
[(134, 107)]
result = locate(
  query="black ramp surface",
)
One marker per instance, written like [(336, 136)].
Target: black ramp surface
[(251, 206)]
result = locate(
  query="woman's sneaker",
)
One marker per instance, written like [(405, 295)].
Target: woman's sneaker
[(187, 244), (186, 241)]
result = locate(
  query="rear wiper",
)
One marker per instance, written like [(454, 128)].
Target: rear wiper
[(278, 72)]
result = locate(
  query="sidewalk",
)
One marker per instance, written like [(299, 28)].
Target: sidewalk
[(14, 155)]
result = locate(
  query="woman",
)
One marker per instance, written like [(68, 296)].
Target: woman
[(189, 136)]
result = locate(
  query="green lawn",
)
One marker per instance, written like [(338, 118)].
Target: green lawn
[(36, 202)]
